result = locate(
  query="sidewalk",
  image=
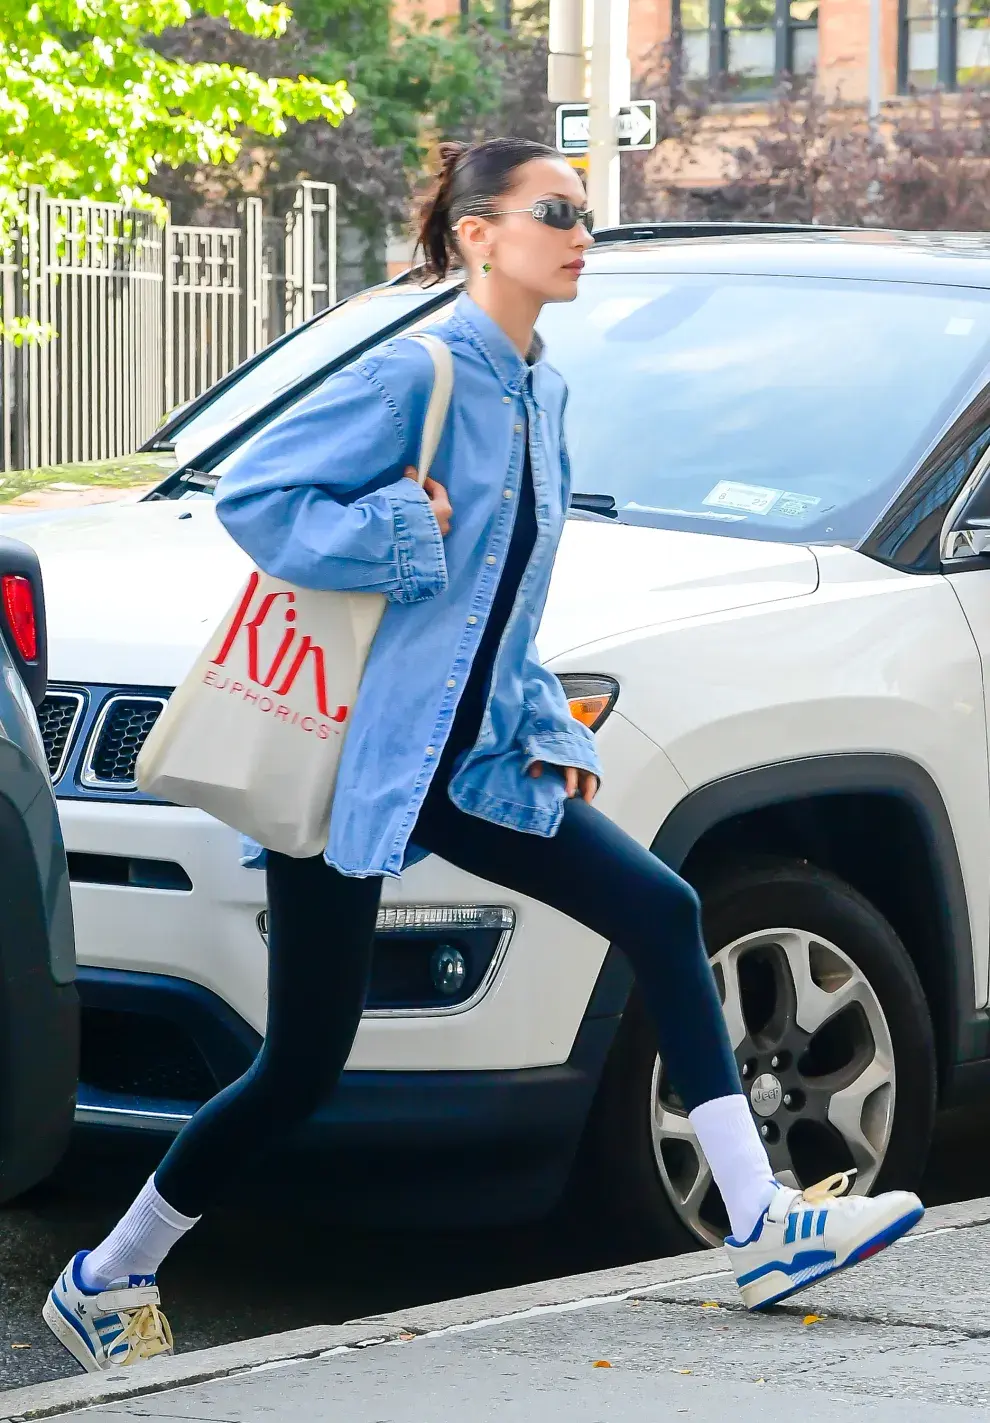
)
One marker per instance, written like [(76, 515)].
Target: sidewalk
[(902, 1339)]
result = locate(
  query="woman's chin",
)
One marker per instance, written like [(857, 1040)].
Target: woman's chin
[(565, 288)]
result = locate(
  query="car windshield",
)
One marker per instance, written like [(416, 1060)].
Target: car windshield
[(782, 408), (326, 338)]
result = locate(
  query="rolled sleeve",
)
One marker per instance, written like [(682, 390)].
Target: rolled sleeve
[(421, 564), (318, 498), (551, 733)]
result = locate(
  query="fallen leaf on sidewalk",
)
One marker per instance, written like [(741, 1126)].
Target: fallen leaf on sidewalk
[(20, 1346), (813, 1319), (601, 1364), (710, 1304), (684, 1371), (406, 1336)]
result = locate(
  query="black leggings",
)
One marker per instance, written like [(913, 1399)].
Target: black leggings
[(590, 870)]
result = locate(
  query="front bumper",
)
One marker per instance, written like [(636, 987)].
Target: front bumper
[(446, 1149)]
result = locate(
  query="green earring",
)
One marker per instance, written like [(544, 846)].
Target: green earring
[(485, 268)]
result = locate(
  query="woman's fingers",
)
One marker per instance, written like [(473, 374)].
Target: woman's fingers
[(439, 503), (437, 496), (575, 781)]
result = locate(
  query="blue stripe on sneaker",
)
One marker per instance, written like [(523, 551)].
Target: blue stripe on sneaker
[(791, 1233), (803, 1260), (807, 1225), (73, 1321), (820, 1223)]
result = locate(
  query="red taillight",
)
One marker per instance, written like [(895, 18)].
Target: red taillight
[(18, 605)]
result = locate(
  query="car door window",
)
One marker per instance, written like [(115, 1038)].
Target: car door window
[(909, 533)]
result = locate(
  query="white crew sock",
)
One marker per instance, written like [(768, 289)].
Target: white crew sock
[(139, 1243), (738, 1158)]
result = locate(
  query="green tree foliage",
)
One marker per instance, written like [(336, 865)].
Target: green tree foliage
[(90, 108), (412, 84)]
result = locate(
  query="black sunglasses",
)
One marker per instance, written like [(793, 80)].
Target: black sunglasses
[(560, 213)]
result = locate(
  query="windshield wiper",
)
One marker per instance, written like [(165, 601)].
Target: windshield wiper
[(595, 504)]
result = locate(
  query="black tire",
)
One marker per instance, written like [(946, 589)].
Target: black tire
[(617, 1166)]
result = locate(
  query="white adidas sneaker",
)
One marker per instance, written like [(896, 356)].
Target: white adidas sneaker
[(118, 1326), (804, 1237)]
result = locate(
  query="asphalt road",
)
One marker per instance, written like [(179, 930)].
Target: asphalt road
[(245, 1272)]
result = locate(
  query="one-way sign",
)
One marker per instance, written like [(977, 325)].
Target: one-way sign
[(637, 126)]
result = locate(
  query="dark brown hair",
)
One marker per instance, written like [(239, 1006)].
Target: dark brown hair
[(470, 178)]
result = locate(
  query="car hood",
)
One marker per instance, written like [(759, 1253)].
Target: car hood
[(132, 591)]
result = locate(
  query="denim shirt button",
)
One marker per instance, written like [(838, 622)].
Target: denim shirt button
[(518, 429), (472, 620), (506, 493), (491, 558), (431, 750), (451, 682), (506, 399)]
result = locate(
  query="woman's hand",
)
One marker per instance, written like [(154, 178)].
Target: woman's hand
[(437, 496), (576, 781)]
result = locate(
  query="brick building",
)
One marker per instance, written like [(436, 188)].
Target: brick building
[(749, 45), (924, 43)]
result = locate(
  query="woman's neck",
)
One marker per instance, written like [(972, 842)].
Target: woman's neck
[(513, 310)]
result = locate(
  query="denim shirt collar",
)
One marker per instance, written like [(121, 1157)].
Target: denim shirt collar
[(489, 338)]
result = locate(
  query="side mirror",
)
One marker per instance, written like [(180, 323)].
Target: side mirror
[(969, 536)]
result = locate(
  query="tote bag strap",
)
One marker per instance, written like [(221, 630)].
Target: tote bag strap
[(439, 403)]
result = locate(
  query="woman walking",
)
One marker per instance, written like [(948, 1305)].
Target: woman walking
[(460, 745)]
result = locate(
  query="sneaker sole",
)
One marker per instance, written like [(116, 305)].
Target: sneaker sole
[(69, 1337), (755, 1300)]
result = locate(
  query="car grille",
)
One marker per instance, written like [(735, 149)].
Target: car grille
[(122, 729), (58, 718)]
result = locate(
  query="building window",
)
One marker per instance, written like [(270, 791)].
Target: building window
[(944, 44), (747, 46)]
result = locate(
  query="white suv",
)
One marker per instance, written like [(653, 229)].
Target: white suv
[(774, 590)]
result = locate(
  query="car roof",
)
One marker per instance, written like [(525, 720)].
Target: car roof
[(868, 254)]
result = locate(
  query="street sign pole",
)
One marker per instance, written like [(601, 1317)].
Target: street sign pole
[(874, 88), (603, 153), (609, 91)]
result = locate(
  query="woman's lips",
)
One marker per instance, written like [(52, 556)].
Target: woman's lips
[(575, 267)]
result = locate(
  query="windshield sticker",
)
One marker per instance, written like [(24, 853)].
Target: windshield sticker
[(795, 506), (749, 498), (960, 326)]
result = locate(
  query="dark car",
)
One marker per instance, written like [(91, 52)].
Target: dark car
[(39, 1013)]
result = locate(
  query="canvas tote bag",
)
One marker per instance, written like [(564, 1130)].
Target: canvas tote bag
[(253, 735)]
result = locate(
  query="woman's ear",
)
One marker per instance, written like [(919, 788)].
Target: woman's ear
[(474, 240)]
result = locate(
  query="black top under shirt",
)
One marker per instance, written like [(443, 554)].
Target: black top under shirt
[(474, 698)]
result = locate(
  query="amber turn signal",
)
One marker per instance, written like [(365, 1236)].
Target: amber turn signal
[(589, 697), (589, 710)]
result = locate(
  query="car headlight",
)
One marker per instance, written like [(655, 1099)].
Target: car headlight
[(590, 697)]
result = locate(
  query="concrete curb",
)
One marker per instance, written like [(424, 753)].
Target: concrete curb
[(576, 1291)]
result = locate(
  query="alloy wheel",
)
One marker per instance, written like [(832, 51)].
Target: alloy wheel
[(816, 1059)]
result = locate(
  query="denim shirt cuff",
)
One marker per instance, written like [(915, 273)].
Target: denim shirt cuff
[(564, 748), (422, 566)]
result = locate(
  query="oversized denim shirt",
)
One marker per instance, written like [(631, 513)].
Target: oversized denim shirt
[(319, 499)]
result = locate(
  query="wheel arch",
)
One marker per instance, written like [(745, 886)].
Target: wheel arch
[(818, 808)]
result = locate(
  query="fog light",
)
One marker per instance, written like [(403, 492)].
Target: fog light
[(448, 970)]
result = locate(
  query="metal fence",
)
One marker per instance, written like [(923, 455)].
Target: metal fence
[(143, 316)]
